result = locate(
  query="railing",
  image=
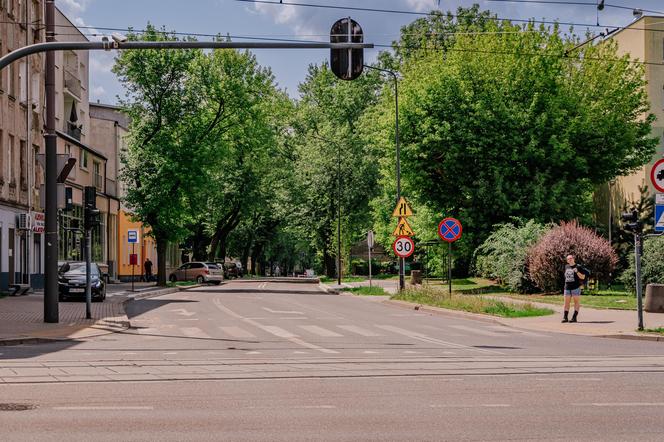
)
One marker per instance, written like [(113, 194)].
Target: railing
[(97, 181), (73, 84), (74, 130)]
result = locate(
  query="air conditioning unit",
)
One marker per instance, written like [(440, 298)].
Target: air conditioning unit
[(24, 221)]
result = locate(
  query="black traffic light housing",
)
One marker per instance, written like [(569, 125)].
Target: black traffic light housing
[(91, 215), (631, 221), (347, 64)]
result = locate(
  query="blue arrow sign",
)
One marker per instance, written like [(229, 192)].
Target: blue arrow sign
[(659, 218)]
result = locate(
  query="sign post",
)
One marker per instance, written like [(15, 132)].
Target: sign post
[(370, 244), (449, 230), (132, 238), (403, 230)]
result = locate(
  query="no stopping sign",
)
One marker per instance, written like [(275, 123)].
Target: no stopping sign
[(403, 247)]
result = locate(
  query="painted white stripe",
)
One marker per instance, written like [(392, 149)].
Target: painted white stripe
[(104, 408), (278, 331), (194, 332), (622, 404), (476, 330), (469, 406), (569, 379), (282, 312), (237, 332), (507, 330), (430, 340), (293, 339), (359, 330), (320, 331)]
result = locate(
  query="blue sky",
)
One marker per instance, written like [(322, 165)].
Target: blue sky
[(284, 21)]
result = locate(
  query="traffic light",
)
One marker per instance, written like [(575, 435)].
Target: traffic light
[(631, 221), (347, 64), (91, 215)]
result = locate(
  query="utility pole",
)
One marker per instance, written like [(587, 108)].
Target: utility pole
[(51, 313)]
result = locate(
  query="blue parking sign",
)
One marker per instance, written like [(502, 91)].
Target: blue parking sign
[(659, 218)]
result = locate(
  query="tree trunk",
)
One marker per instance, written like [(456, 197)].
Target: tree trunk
[(245, 255), (223, 228), (199, 244), (328, 262), (161, 261)]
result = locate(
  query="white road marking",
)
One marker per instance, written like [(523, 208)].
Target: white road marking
[(410, 352), (183, 312), (132, 408), (476, 330), (282, 312), (253, 353), (299, 352), (130, 353), (569, 379), (469, 406), (622, 404), (237, 332), (320, 331), (194, 332), (277, 331), (359, 330), (314, 407), (369, 352), (430, 340), (293, 339), (507, 330), (170, 353)]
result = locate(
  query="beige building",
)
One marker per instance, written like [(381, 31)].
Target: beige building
[(21, 140), (643, 40), (95, 161)]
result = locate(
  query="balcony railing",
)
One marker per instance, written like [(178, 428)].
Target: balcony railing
[(98, 181), (74, 130), (73, 84)]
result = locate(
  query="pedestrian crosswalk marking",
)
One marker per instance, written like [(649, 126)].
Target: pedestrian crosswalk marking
[(194, 332), (430, 340), (278, 331), (320, 331), (476, 330), (237, 332), (359, 330), (515, 331)]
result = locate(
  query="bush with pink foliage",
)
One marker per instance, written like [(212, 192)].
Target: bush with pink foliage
[(546, 259)]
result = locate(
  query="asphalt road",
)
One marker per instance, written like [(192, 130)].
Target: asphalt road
[(267, 361)]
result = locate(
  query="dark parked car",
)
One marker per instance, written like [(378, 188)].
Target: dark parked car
[(232, 270), (71, 281)]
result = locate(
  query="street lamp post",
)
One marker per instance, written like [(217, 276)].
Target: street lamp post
[(402, 282)]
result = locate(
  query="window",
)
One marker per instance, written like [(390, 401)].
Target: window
[(23, 158), (37, 167), (96, 175), (10, 159), (11, 81), (22, 75), (2, 142), (84, 159), (34, 91)]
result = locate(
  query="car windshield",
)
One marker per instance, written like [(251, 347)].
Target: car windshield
[(78, 268)]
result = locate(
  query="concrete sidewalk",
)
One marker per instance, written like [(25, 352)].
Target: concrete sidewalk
[(22, 318)]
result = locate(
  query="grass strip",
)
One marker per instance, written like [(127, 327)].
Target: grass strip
[(600, 301), (469, 303), (659, 330), (367, 291)]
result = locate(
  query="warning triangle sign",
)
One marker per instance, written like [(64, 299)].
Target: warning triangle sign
[(403, 228), (402, 209), (660, 222)]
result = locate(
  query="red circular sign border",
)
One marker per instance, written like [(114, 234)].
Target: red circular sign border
[(440, 224), (652, 175), (395, 243)]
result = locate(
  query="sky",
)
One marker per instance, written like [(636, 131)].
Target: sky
[(267, 19)]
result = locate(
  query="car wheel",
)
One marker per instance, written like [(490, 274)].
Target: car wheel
[(199, 279), (172, 278)]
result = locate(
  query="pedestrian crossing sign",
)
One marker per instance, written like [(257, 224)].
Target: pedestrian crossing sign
[(402, 209), (659, 218), (403, 228)]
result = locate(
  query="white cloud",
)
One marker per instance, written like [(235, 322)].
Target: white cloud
[(423, 5), (98, 93), (305, 22)]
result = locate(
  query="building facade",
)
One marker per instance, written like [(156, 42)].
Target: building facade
[(95, 161), (21, 141)]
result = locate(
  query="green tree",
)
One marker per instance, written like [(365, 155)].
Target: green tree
[(175, 112), (505, 125)]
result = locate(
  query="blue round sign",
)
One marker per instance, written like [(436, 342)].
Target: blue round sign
[(450, 229)]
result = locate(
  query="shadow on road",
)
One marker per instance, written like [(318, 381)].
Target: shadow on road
[(28, 351), (141, 306)]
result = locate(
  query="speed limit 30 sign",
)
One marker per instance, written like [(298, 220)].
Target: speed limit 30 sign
[(403, 247)]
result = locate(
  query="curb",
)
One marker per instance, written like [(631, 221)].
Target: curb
[(8, 342), (652, 338), (442, 311)]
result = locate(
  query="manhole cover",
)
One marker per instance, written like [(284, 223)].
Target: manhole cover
[(17, 407)]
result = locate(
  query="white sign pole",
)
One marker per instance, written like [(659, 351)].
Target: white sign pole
[(370, 241)]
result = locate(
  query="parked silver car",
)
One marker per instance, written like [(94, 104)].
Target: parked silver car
[(198, 271)]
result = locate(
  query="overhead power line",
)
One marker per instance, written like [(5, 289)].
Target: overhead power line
[(577, 3)]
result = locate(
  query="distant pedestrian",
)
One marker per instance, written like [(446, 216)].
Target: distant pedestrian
[(574, 277), (148, 270)]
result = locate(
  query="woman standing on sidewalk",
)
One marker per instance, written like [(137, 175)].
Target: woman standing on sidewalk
[(573, 278)]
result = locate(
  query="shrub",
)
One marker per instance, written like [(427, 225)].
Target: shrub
[(503, 256), (652, 265), (546, 259)]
